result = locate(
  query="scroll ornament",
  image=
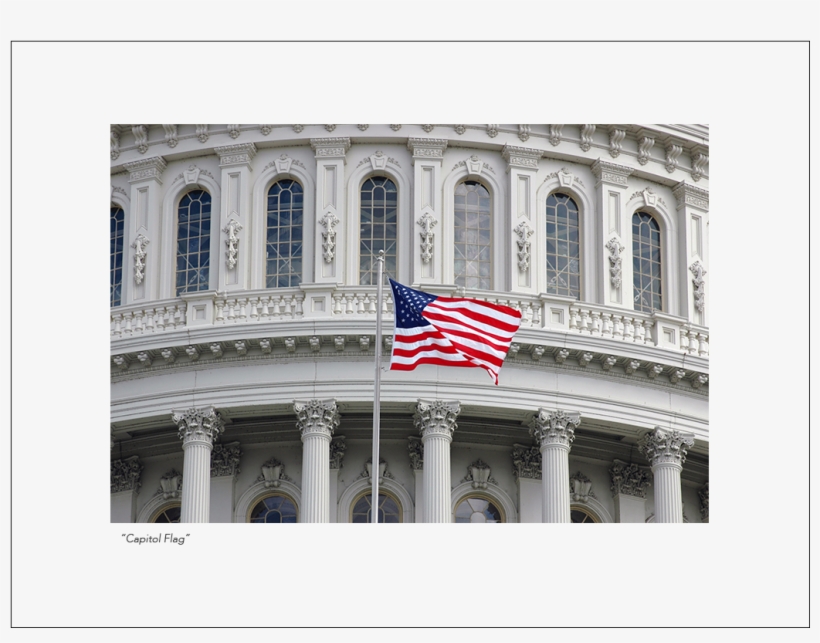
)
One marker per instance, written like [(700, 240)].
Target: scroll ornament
[(427, 222), (140, 254), (232, 230), (615, 249)]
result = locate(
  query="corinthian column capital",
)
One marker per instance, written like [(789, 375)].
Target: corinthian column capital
[(316, 417), (198, 425), (554, 427), (665, 446), (436, 417)]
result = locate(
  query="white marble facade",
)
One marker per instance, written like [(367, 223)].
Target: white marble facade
[(246, 393)]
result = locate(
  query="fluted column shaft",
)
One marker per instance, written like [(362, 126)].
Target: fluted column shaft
[(666, 451), (316, 420), (555, 431), (198, 428), (436, 422)]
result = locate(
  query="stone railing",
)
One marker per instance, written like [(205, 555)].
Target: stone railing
[(315, 302)]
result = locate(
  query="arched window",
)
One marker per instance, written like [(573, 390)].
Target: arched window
[(577, 514), (478, 509), (193, 242), (274, 508), (389, 508), (473, 239), (646, 262), (169, 513), (563, 247), (284, 239), (117, 226), (379, 210)]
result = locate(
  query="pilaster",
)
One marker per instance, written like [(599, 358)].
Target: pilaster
[(416, 452), (436, 421), (337, 454), (331, 221), (141, 269), (666, 451), (522, 166), (693, 218), (629, 483), (316, 421), (198, 428), (125, 484), (428, 154), (554, 431), (613, 234), (527, 472), (232, 260), (224, 469)]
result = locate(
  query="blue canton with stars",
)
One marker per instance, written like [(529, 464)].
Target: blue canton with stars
[(408, 305)]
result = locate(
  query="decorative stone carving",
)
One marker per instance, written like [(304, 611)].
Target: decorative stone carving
[(522, 157), (537, 353), (140, 253), (672, 153), (290, 344), (585, 358), (145, 358), (387, 343), (415, 448), (687, 194), (700, 284), (142, 170), (169, 355), (362, 127), (427, 147), (232, 230), (699, 379), (629, 479), (241, 347), (526, 462), (615, 249), (202, 133), (171, 135), (316, 416), (703, 494), (265, 346), (367, 470), (330, 128), (191, 175), (677, 376), (273, 472), (337, 451), (616, 137), (524, 232), (427, 128), (216, 349), (233, 131), (436, 417), (198, 424), (664, 446), (479, 474), (225, 459), (524, 132), (339, 342), (655, 370), (170, 485), (699, 162), (120, 361), (607, 172), (513, 351), (364, 343), (632, 366), (554, 427), (115, 142), (609, 362), (315, 344), (239, 154), (645, 144), (192, 352), (298, 128), (492, 131), (266, 129), (580, 488), (555, 134), (561, 355), (427, 222), (460, 129), (141, 137), (125, 474), (586, 136), (329, 221)]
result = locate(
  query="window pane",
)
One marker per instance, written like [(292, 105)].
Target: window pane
[(646, 263), (284, 233), (473, 236), (563, 246), (379, 203)]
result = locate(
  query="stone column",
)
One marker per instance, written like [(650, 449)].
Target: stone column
[(666, 451), (629, 483), (316, 421), (224, 469), (555, 431), (522, 166), (198, 428), (436, 420), (428, 154), (125, 484)]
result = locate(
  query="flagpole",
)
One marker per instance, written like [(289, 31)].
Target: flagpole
[(374, 469)]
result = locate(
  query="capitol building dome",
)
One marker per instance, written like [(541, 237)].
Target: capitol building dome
[(243, 310)]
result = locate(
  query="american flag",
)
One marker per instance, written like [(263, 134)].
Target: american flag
[(450, 331)]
